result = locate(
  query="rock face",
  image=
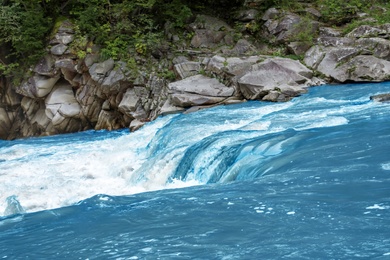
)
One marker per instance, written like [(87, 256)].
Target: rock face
[(275, 79), (362, 55), (65, 93)]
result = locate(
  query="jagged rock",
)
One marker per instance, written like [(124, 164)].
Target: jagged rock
[(329, 32), (169, 108), (286, 27), (365, 31), (110, 120), (336, 41), (234, 65), (247, 15), (111, 83), (90, 101), (271, 14), (58, 49), (242, 47), (67, 64), (275, 77), (6, 120), (129, 103), (209, 31), (37, 86), (298, 48), (367, 68), (381, 97), (99, 71), (314, 13), (61, 103), (136, 124), (36, 115), (46, 67), (187, 69), (379, 47)]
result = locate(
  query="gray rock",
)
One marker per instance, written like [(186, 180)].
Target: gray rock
[(209, 32), (379, 47), (247, 15), (90, 101), (46, 67), (201, 85), (37, 86), (234, 65), (298, 48), (58, 49), (329, 32), (242, 47), (336, 41), (187, 69), (381, 97), (99, 71), (67, 64), (129, 103), (367, 68), (190, 100), (61, 103), (366, 31), (270, 14), (169, 108), (110, 120), (273, 78), (136, 124)]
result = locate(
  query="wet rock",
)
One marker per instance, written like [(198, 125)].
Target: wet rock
[(381, 97)]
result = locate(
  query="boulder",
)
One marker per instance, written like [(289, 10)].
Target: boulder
[(233, 65), (37, 86), (247, 15), (367, 68), (201, 85), (198, 90), (58, 49), (379, 47), (61, 103), (275, 77), (110, 120), (381, 97), (46, 67), (99, 71), (129, 103), (6, 120), (187, 69), (365, 31), (209, 32)]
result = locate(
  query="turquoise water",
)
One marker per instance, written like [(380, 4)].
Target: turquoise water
[(307, 179)]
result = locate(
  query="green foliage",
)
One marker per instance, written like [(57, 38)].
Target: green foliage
[(341, 12)]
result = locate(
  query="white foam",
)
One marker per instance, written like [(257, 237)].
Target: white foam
[(327, 122), (386, 166), (378, 206)]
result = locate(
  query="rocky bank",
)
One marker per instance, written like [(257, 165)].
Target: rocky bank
[(64, 93)]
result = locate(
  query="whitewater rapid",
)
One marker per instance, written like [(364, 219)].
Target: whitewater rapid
[(173, 151)]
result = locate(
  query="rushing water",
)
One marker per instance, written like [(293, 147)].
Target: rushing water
[(306, 179)]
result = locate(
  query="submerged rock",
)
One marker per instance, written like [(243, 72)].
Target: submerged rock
[(381, 97)]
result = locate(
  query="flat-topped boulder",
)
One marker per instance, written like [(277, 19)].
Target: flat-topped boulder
[(282, 78)]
